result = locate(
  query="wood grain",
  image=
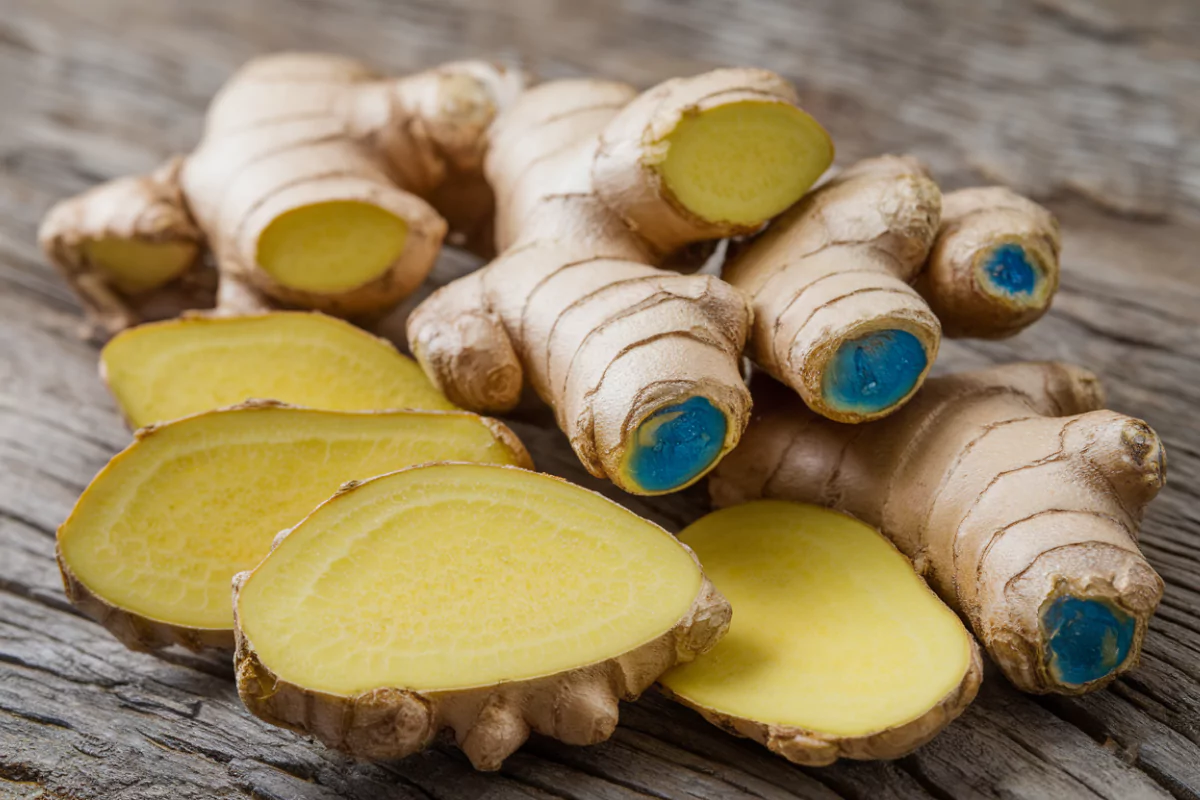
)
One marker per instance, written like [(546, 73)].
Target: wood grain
[(1091, 105)]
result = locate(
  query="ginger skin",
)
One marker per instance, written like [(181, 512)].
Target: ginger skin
[(317, 185), (595, 186), (854, 287), (994, 266), (834, 315), (1016, 496)]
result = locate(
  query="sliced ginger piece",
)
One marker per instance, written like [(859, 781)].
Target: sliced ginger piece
[(490, 601), (167, 370), (331, 247), (136, 266), (151, 546), (744, 162), (837, 647)]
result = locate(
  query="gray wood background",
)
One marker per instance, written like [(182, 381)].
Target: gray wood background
[(1092, 106)]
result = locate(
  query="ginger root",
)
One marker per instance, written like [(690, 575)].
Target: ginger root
[(836, 648), (595, 185), (1015, 496), (166, 370), (994, 266), (488, 601), (835, 315), (151, 545), (312, 188)]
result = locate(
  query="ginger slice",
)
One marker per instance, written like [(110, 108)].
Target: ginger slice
[(744, 162), (167, 370), (486, 600), (837, 647), (151, 545)]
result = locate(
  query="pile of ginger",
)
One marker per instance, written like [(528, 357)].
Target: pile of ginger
[(321, 190)]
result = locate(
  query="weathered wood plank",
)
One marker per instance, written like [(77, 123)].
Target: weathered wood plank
[(1094, 107)]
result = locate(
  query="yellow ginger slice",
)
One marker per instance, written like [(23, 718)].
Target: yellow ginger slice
[(331, 247), (837, 647), (744, 162), (486, 600), (167, 370), (152, 544)]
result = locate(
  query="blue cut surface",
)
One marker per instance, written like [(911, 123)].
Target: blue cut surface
[(675, 445), (1009, 270), (1085, 639), (874, 372)]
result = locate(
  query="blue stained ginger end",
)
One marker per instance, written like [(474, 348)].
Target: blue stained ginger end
[(1010, 271), (675, 445), (874, 372), (1085, 639)]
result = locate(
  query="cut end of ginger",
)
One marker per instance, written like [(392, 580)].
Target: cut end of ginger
[(837, 648), (167, 370), (134, 266), (674, 447), (744, 162), (160, 532), (332, 247), (501, 597)]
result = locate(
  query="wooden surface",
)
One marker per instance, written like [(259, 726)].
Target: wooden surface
[(1092, 105)]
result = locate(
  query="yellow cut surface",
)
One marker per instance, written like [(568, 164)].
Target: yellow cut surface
[(744, 162), (832, 629), (167, 370), (135, 266), (453, 576), (164, 527), (331, 247)]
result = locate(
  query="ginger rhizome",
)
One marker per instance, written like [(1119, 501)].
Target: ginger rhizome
[(596, 185), (1016, 496), (166, 370), (318, 184), (837, 649), (994, 266), (835, 315), (153, 542), (486, 601)]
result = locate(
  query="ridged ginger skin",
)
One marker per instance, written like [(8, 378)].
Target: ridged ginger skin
[(318, 184), (854, 287), (595, 186), (834, 315), (873, 667), (993, 269), (1013, 492), (451, 643)]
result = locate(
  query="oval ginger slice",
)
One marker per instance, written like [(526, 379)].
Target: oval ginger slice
[(167, 370), (491, 601), (154, 541), (837, 647)]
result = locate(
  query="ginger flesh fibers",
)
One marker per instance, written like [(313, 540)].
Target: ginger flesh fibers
[(744, 162), (331, 247), (168, 370), (486, 601), (163, 528), (836, 647), (458, 577)]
